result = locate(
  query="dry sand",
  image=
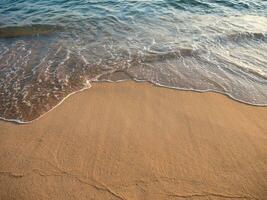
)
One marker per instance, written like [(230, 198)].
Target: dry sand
[(137, 141)]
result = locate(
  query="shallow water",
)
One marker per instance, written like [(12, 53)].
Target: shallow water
[(50, 49)]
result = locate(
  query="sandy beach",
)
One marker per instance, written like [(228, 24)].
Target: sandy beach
[(131, 141)]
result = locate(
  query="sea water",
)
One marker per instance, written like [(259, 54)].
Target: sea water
[(50, 49)]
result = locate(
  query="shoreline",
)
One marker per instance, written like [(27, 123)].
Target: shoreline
[(19, 122), (132, 140)]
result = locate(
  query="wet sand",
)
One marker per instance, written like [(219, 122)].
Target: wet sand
[(136, 141)]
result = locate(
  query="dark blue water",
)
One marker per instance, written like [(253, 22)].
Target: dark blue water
[(52, 48)]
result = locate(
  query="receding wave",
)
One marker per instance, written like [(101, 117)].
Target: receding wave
[(247, 36), (28, 30)]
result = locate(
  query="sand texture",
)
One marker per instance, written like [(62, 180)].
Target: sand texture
[(130, 141)]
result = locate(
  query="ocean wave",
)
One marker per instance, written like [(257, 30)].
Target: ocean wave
[(52, 49)]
